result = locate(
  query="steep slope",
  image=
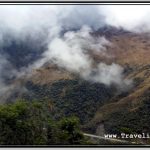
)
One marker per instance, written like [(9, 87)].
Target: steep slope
[(94, 103), (129, 110)]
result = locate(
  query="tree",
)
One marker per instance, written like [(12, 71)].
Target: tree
[(70, 131), (21, 124), (29, 123)]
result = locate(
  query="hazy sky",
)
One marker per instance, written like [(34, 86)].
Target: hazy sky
[(65, 29), (22, 16)]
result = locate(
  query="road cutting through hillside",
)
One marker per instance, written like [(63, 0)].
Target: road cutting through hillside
[(109, 139)]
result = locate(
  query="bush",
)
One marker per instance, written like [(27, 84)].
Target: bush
[(27, 123)]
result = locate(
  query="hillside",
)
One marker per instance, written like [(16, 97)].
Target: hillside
[(132, 52), (96, 104), (128, 112)]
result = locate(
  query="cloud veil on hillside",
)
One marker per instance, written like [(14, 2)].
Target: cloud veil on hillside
[(63, 32)]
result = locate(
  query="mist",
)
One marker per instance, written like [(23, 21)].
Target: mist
[(72, 52), (62, 35)]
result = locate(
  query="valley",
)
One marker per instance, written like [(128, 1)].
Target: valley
[(94, 103)]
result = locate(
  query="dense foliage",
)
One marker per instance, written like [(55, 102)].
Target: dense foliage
[(72, 97), (131, 122), (29, 123)]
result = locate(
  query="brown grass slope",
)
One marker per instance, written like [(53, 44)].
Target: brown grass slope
[(130, 50), (133, 52)]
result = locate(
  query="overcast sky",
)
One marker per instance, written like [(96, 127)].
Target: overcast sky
[(20, 17), (66, 31)]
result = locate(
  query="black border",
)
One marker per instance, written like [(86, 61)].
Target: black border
[(53, 2)]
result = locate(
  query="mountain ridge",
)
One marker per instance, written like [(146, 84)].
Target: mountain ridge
[(95, 103)]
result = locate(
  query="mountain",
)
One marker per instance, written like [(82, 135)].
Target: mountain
[(110, 31), (95, 104), (128, 112)]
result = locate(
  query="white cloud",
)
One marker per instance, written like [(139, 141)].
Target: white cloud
[(130, 17), (66, 30), (72, 52)]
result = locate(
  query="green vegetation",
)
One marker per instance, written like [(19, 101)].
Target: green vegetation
[(56, 103), (131, 122), (29, 123), (72, 97)]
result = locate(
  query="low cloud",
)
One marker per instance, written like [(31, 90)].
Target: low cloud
[(72, 52), (63, 34)]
